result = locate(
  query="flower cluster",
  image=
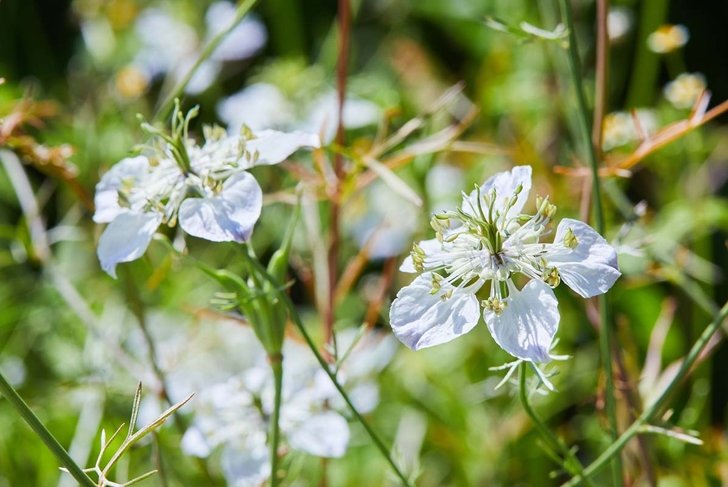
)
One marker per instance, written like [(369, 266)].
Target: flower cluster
[(233, 416), (206, 188), (487, 245)]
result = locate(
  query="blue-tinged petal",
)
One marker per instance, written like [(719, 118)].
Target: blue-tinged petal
[(127, 172), (325, 434), (590, 268), (228, 217), (246, 463), (421, 319), (527, 325), (126, 238), (505, 184), (273, 147)]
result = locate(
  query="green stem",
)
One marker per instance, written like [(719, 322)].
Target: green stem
[(276, 363), (571, 463), (46, 436), (605, 336), (168, 103), (654, 408), (286, 300)]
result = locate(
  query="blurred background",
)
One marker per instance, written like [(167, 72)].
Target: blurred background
[(78, 72)]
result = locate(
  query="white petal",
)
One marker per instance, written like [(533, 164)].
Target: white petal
[(420, 319), (126, 171), (126, 239), (258, 106), (274, 147), (246, 464), (324, 112), (430, 247), (325, 434), (590, 268), (505, 184), (527, 326), (241, 42), (194, 443), (229, 217)]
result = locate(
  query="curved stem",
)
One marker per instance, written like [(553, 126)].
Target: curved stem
[(605, 335), (571, 463), (286, 300), (240, 14), (649, 413), (46, 436), (276, 363)]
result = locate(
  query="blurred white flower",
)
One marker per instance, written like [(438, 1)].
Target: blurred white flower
[(443, 183), (264, 105), (619, 23), (684, 90), (488, 241), (668, 38), (260, 105), (246, 39), (171, 46), (233, 415), (207, 188), (322, 114), (381, 220), (620, 128)]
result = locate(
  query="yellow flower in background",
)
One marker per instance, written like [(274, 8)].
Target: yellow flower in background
[(668, 38), (620, 128), (130, 82), (684, 90)]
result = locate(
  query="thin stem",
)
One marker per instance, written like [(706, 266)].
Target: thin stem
[(601, 95), (649, 413), (46, 436), (168, 103), (286, 300), (276, 363), (344, 21), (605, 335), (571, 463)]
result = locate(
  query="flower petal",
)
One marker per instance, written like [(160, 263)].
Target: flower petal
[(126, 238), (421, 319), (505, 184), (527, 326), (246, 464), (106, 201), (591, 267), (325, 434), (229, 217), (258, 106), (430, 247), (273, 147)]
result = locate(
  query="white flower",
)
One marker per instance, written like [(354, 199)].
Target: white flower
[(235, 416), (619, 23), (381, 220), (171, 46), (684, 90), (264, 105), (207, 188), (246, 39), (620, 128), (488, 242), (668, 38)]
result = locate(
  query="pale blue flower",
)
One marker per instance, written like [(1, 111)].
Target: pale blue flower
[(215, 198), (487, 242)]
